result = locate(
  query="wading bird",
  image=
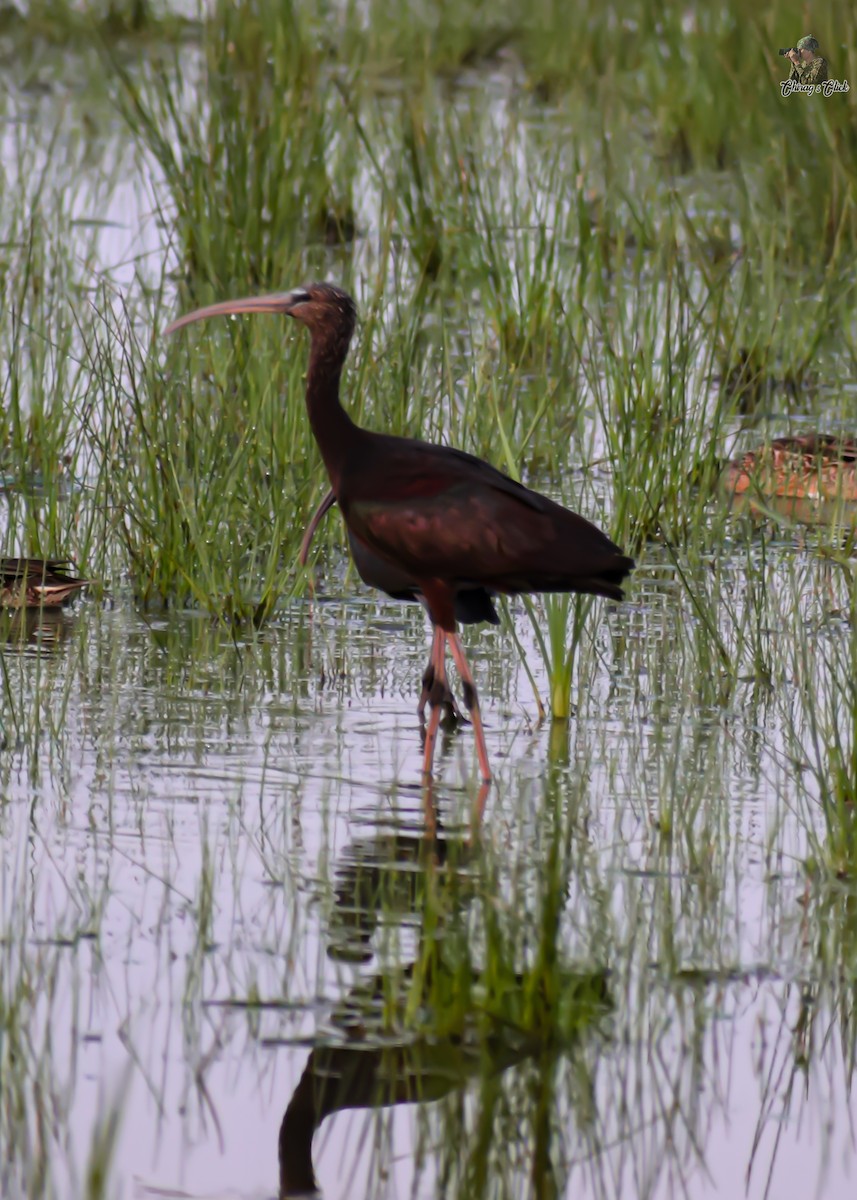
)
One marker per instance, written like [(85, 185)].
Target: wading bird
[(37, 582), (429, 521), (814, 466)]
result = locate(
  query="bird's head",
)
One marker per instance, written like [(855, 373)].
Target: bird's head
[(326, 310)]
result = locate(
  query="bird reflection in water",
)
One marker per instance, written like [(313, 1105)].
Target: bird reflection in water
[(797, 510), (414, 1067), (35, 631), (383, 877), (425, 1028)]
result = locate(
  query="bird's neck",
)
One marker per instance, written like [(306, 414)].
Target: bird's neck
[(295, 1141), (333, 429)]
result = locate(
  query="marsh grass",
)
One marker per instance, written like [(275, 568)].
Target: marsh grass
[(115, 21), (256, 175), (824, 734), (43, 386), (196, 503), (248, 161)]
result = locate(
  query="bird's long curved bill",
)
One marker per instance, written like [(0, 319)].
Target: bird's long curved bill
[(279, 302)]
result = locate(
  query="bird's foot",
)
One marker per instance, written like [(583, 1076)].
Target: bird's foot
[(438, 694)]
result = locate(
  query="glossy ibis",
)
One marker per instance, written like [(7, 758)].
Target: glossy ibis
[(815, 466), (430, 521), (37, 582)]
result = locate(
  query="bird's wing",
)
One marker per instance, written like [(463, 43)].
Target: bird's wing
[(404, 469), (478, 532), (36, 570)]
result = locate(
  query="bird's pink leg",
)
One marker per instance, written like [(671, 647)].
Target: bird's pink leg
[(436, 690), (479, 808), (438, 669), (471, 702), (431, 739), (430, 811), (429, 674)]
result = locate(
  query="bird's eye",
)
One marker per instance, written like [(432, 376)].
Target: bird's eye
[(300, 296)]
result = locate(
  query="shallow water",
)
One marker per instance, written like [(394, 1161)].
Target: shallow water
[(211, 846)]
